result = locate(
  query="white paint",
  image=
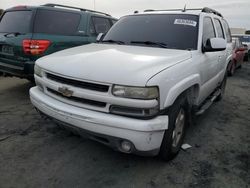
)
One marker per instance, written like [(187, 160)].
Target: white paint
[(218, 43)]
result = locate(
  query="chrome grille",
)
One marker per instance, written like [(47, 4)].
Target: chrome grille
[(77, 83), (79, 100)]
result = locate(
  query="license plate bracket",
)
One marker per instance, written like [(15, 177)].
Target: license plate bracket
[(8, 50)]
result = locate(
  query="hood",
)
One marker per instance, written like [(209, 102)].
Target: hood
[(113, 64)]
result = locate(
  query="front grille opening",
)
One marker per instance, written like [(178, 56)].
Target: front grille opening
[(79, 100), (77, 83)]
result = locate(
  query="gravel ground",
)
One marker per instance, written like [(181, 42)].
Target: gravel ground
[(36, 153)]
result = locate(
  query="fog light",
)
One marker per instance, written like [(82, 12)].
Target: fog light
[(126, 146)]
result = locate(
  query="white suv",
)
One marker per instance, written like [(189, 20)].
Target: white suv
[(136, 89)]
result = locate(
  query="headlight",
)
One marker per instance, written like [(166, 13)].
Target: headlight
[(38, 70), (136, 92)]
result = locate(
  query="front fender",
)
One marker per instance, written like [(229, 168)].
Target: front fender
[(180, 87)]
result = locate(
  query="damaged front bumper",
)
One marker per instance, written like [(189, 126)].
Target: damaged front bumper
[(144, 136)]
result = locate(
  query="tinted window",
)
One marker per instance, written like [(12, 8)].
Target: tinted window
[(55, 22), (219, 28), (101, 25), (208, 30), (176, 31), (227, 30), (16, 21), (92, 28)]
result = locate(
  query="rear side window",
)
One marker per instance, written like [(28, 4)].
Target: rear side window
[(101, 25), (219, 28), (56, 22), (208, 30), (227, 31), (16, 21)]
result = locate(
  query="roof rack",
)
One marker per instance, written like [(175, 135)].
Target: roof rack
[(205, 9), (81, 9), (209, 10)]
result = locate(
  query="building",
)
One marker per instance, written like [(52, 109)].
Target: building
[(236, 31)]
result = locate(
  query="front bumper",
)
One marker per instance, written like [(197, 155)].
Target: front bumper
[(145, 135)]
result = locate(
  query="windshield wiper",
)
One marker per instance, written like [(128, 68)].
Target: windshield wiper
[(114, 41), (160, 44), (13, 33)]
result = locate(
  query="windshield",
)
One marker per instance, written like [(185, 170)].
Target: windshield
[(172, 30), (16, 21)]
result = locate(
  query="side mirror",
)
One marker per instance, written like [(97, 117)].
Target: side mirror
[(215, 44), (99, 37)]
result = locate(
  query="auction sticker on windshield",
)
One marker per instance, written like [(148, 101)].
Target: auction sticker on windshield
[(185, 22)]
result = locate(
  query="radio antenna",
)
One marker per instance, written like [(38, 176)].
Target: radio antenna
[(184, 9)]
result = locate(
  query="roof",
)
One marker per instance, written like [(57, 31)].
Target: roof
[(61, 7), (170, 12), (194, 11)]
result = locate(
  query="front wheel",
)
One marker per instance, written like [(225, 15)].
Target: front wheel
[(174, 135)]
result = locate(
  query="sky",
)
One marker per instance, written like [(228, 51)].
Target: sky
[(237, 12)]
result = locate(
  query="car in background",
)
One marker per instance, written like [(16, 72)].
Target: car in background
[(30, 32), (245, 39), (239, 53)]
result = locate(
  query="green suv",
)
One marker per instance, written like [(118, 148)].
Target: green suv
[(28, 33)]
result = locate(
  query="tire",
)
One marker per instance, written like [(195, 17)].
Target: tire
[(31, 79), (222, 87), (246, 58), (174, 135)]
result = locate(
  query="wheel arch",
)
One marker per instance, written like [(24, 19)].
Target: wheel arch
[(189, 86)]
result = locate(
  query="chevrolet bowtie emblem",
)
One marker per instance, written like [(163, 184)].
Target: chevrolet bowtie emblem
[(65, 91)]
